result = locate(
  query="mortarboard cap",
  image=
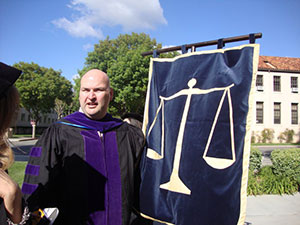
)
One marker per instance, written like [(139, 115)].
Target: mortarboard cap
[(8, 76)]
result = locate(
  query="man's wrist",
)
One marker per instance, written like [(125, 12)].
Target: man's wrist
[(25, 217)]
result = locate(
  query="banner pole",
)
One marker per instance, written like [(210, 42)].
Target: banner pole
[(193, 46)]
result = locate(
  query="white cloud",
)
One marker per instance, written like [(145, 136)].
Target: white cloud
[(78, 28), (92, 15), (87, 47)]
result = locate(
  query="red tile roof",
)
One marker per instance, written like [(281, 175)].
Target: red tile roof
[(274, 63)]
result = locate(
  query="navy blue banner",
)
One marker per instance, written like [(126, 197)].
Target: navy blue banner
[(196, 123)]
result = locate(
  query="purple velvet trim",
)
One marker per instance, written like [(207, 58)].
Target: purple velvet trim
[(107, 123), (29, 188), (102, 154), (94, 156), (113, 179), (32, 170), (36, 151)]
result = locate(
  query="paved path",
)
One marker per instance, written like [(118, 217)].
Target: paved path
[(273, 210), (21, 147)]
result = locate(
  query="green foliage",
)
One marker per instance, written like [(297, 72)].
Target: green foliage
[(287, 136), (255, 159), (266, 182), (283, 177), (17, 172), (253, 138), (39, 87), (286, 163), (273, 184), (281, 137), (127, 69), (253, 187), (267, 135)]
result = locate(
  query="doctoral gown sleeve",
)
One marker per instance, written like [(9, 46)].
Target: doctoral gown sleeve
[(42, 171)]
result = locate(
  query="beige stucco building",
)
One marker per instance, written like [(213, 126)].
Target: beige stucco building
[(23, 122), (277, 97)]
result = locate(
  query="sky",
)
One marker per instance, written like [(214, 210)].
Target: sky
[(60, 33)]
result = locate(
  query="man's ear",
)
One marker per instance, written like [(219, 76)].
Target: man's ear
[(111, 94)]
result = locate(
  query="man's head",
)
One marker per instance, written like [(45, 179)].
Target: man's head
[(95, 94)]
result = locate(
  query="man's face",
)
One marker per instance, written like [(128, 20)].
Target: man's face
[(95, 94)]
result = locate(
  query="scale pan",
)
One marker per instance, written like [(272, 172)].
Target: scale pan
[(218, 163)]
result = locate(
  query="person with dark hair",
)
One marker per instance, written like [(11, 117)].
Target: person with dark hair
[(134, 119), (11, 207), (87, 164)]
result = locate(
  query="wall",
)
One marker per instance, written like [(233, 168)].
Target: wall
[(268, 97)]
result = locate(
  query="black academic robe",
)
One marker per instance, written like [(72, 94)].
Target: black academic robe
[(3, 216), (87, 169)]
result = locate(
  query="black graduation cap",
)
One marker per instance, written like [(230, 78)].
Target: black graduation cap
[(8, 76)]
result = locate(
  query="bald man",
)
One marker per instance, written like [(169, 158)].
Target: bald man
[(86, 164)]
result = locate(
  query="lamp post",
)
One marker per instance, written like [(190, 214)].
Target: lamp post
[(33, 124)]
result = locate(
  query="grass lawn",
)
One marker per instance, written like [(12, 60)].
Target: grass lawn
[(17, 171), (24, 135), (273, 144)]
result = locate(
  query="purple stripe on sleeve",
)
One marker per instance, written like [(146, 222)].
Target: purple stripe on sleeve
[(29, 188), (32, 170), (36, 151)]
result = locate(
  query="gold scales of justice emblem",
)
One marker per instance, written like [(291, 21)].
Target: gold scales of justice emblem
[(175, 184)]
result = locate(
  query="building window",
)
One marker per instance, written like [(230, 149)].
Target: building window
[(276, 83), (294, 113), (259, 112), (23, 117), (45, 119), (294, 84), (276, 113), (28, 118), (259, 83)]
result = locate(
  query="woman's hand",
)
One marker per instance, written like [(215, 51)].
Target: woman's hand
[(12, 197)]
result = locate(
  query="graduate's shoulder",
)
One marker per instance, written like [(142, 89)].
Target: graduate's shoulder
[(131, 129)]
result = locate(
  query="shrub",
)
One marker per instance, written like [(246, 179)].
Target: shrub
[(266, 182), (253, 187), (267, 135), (286, 163), (281, 137), (253, 139), (287, 136), (273, 184), (255, 159)]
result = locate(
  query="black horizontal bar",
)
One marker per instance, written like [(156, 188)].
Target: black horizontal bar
[(205, 43)]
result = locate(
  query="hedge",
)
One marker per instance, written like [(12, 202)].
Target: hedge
[(286, 163), (255, 159), (283, 177)]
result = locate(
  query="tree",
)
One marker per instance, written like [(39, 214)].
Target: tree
[(267, 135), (127, 69), (39, 87), (63, 109)]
